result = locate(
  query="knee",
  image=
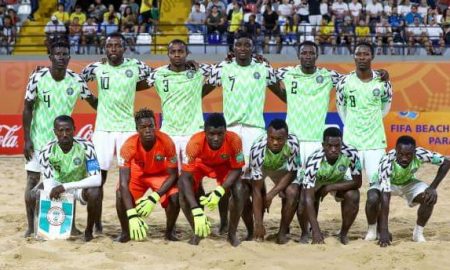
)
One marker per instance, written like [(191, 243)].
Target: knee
[(174, 199), (292, 193), (373, 197), (93, 194)]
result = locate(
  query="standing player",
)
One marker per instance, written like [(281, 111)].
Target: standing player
[(396, 176), (117, 81), (50, 92), (215, 153), (70, 165), (327, 171), (244, 83), (275, 155), (149, 160), (362, 102)]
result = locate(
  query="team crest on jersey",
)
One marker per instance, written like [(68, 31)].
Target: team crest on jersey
[(224, 156), (173, 160), (77, 161), (256, 75), (376, 92), (69, 91), (129, 73), (319, 79), (240, 157), (159, 157), (190, 74), (341, 168)]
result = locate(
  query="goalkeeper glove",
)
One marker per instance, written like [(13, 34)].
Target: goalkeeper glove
[(138, 228), (201, 223), (212, 200), (145, 206)]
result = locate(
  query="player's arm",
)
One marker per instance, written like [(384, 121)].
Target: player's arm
[(280, 186), (93, 101), (341, 99), (86, 94), (144, 73), (386, 99), (186, 186), (335, 77), (441, 173), (27, 114), (213, 80), (124, 181), (274, 84)]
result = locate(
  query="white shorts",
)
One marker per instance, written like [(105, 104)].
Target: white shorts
[(248, 136), (33, 165), (107, 143), (408, 192), (180, 146), (370, 160), (306, 149), (77, 193)]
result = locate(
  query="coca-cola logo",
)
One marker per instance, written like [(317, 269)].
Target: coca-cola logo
[(86, 132), (9, 137)]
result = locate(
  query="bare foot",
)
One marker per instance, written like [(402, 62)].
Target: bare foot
[(28, 233), (282, 239), (234, 241), (343, 239), (98, 227), (223, 229), (249, 237), (88, 236), (122, 238), (172, 236), (195, 240), (304, 238)]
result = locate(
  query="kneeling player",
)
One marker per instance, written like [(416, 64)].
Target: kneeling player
[(276, 155), (149, 162), (326, 172), (70, 165), (215, 153), (396, 177)]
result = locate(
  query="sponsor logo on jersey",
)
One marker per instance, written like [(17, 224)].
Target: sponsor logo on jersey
[(69, 91), (342, 168), (77, 161), (159, 157), (256, 75), (351, 91), (129, 73), (56, 216), (319, 79), (376, 92), (190, 74)]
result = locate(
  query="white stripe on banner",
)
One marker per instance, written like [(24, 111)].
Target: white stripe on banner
[(55, 217)]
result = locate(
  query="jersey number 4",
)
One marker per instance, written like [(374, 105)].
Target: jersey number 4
[(47, 100)]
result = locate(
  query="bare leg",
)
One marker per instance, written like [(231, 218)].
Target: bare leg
[(172, 211), (195, 240), (349, 211), (239, 191), (30, 200), (92, 196), (98, 220), (288, 212), (124, 235), (223, 212)]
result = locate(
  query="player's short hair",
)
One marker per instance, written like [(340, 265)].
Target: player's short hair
[(143, 113), (367, 44), (63, 118), (406, 140), (178, 41), (241, 34), (332, 132), (308, 43), (117, 35), (215, 120), (278, 124), (59, 43)]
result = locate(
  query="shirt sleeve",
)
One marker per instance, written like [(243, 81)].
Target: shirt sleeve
[(257, 159), (311, 169), (216, 74), (294, 161), (92, 165), (237, 160), (335, 77), (428, 156), (44, 160), (271, 75), (280, 73), (386, 98), (89, 72), (205, 70), (31, 90), (151, 79), (170, 153), (127, 153), (193, 149), (84, 91), (341, 99), (385, 171), (144, 70), (352, 154)]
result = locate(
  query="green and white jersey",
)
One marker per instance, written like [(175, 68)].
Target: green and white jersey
[(261, 158), (244, 91), (51, 99), (391, 173), (319, 172), (181, 98), (80, 162), (362, 106), (308, 98), (116, 92)]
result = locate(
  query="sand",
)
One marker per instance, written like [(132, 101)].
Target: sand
[(214, 252)]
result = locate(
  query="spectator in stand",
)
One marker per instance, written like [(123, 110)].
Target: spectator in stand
[(134, 6), (396, 20), (97, 10), (75, 34), (13, 15), (9, 34), (443, 5), (129, 19), (315, 16), (404, 7), (387, 7), (306, 31), (285, 12), (89, 36), (339, 10), (374, 10), (79, 14), (2, 14), (34, 7), (202, 7), (271, 28), (416, 33), (326, 34), (422, 9), (253, 29), (431, 14), (263, 6), (301, 9), (123, 6), (219, 4), (235, 17), (412, 15), (149, 18), (54, 30), (196, 20), (324, 9), (112, 12), (355, 8), (129, 32), (346, 33), (230, 6), (362, 32), (62, 15), (108, 27), (215, 22), (292, 36), (383, 34), (436, 38)]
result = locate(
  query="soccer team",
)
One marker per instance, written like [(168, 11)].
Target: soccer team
[(304, 159)]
